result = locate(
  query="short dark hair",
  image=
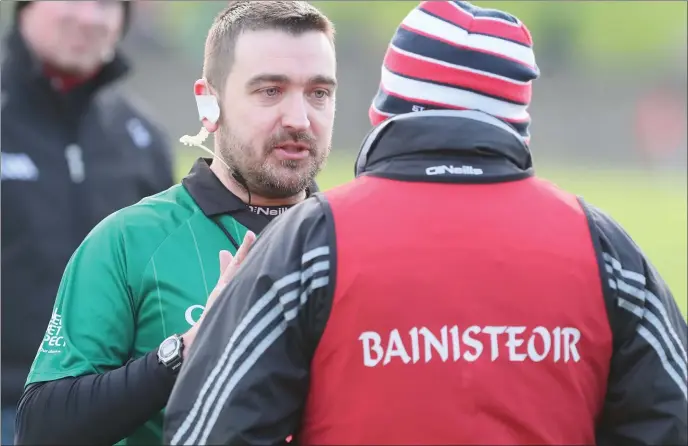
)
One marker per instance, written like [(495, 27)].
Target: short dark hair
[(293, 17)]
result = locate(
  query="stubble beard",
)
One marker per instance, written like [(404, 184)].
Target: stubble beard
[(262, 174)]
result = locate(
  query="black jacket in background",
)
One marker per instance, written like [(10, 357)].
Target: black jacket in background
[(68, 160)]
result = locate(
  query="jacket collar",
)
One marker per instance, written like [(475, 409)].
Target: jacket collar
[(445, 146), (20, 64)]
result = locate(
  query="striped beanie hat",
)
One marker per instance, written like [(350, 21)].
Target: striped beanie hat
[(457, 56)]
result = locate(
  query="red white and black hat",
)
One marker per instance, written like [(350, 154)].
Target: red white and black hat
[(454, 55)]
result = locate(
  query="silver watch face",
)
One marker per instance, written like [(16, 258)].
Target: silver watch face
[(169, 348)]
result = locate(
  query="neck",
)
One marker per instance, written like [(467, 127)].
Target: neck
[(66, 81), (223, 174)]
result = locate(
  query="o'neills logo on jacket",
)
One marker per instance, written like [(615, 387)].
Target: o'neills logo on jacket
[(452, 344)]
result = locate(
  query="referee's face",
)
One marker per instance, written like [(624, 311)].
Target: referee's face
[(278, 110)]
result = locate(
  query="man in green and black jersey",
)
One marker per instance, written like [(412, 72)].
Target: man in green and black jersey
[(132, 295)]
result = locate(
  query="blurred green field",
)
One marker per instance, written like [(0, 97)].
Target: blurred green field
[(653, 209), (597, 30)]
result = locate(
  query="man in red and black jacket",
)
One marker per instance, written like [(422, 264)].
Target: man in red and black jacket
[(446, 295)]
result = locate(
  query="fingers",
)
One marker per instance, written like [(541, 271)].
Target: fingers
[(225, 259), (249, 238), (228, 272)]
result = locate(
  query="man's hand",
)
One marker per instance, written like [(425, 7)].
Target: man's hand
[(228, 267)]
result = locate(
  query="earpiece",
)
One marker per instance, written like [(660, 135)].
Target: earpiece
[(207, 104), (208, 108)]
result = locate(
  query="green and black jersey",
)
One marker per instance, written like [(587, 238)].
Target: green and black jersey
[(143, 274)]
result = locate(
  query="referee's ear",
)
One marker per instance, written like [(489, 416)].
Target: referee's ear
[(208, 105)]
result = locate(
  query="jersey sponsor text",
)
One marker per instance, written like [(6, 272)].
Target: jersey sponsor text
[(193, 314), (53, 341)]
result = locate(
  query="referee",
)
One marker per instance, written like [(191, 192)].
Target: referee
[(131, 297)]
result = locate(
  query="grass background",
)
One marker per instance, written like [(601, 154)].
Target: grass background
[(651, 207)]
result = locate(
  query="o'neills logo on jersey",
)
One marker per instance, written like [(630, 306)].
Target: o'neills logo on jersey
[(268, 210), (451, 344)]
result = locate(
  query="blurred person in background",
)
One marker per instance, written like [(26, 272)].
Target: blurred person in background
[(73, 151), (139, 286), (660, 127), (447, 295)]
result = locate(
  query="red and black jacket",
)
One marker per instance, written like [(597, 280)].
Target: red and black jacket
[(445, 296)]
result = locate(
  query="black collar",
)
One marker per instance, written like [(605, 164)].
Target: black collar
[(22, 66), (445, 146), (208, 191), (215, 199)]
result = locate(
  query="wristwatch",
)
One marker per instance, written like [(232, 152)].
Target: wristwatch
[(170, 353)]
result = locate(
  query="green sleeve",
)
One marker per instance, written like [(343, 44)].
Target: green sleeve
[(92, 325)]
